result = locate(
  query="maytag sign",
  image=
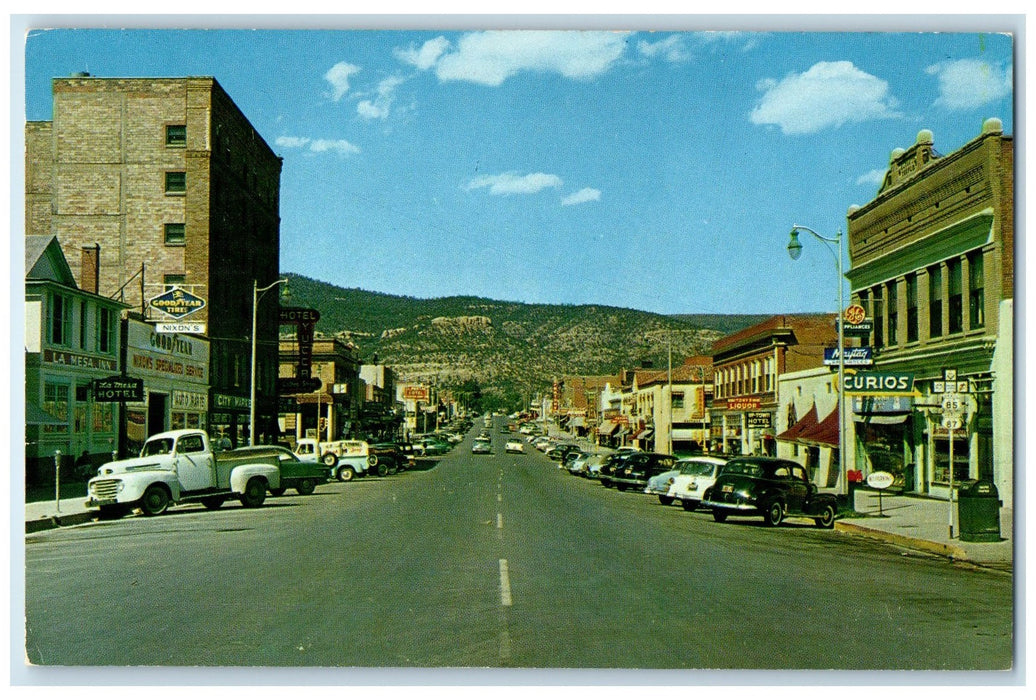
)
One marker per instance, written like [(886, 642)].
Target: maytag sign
[(854, 357)]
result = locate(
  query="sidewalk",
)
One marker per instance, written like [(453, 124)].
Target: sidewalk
[(923, 524), (911, 522)]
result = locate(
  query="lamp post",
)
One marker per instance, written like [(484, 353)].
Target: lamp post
[(257, 293), (794, 251)]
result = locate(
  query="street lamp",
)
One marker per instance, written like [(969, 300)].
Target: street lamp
[(794, 251), (257, 293)]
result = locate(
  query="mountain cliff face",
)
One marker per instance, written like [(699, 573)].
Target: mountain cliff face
[(510, 350)]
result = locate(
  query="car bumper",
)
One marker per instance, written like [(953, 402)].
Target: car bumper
[(739, 507), (630, 481)]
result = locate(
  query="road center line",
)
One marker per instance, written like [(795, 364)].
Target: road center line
[(499, 521), (505, 585)]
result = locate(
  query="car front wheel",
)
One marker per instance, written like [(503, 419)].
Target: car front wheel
[(773, 514), (666, 500), (155, 500), (255, 493), (306, 487), (719, 516), (826, 519), (346, 474), (689, 505)]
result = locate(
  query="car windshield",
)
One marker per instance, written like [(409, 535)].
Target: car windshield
[(161, 446), (696, 468), (745, 468)]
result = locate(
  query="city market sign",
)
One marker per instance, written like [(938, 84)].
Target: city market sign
[(880, 384), (177, 302)]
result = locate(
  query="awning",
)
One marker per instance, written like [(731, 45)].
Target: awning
[(881, 418), (825, 433), (607, 427), (808, 422), (644, 434), (34, 415), (687, 433), (577, 422)]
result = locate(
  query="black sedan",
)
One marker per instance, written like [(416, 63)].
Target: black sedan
[(639, 467), (770, 487)]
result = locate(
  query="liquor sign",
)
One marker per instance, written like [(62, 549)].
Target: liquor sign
[(177, 302), (760, 420), (744, 403), (854, 357), (118, 388)]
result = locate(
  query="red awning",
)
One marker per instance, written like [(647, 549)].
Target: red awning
[(808, 422), (825, 433)]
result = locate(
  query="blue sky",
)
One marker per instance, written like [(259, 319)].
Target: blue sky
[(653, 170)]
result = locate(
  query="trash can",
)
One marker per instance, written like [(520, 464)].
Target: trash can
[(978, 511)]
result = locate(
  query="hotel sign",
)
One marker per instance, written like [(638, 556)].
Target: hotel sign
[(118, 388)]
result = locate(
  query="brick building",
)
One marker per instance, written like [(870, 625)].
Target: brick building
[(176, 189), (933, 264), (333, 411), (747, 366)]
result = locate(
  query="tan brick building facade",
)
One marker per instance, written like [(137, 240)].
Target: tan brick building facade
[(933, 264), (177, 188)]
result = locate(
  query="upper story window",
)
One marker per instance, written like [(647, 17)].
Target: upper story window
[(60, 315), (879, 319), (170, 281), (175, 234), (892, 295), (175, 182), (82, 324), (956, 296), (976, 291), (176, 135), (935, 301), (911, 308), (105, 330)]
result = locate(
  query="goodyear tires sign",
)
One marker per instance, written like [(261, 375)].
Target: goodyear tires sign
[(177, 302)]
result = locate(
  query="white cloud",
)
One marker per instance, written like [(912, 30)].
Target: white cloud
[(970, 83), (827, 95), (426, 56), (587, 194), (874, 177), (338, 75), (510, 183), (340, 146), (292, 141), (379, 107), (490, 58), (672, 49)]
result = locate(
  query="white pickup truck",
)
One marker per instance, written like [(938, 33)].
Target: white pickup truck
[(346, 459), (179, 466)]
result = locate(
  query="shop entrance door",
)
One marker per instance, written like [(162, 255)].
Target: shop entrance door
[(156, 413)]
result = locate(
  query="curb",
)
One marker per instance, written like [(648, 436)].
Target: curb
[(55, 521), (944, 550)]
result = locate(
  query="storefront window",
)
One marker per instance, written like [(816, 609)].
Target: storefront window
[(177, 421), (942, 458), (885, 450), (55, 402), (103, 421)]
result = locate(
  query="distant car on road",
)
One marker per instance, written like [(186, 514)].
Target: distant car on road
[(515, 446), (770, 487), (481, 447)]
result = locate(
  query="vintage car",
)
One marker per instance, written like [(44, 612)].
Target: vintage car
[(481, 447), (295, 473), (696, 475), (514, 446), (770, 487), (639, 467)]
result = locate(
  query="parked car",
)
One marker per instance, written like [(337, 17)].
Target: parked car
[(695, 475), (431, 446), (658, 485), (558, 453), (514, 446), (770, 487), (612, 464), (639, 467), (295, 474), (481, 447), (593, 466), (577, 465)]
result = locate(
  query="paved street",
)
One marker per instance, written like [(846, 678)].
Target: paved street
[(498, 561)]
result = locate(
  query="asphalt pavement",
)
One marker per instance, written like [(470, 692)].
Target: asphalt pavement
[(912, 522)]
